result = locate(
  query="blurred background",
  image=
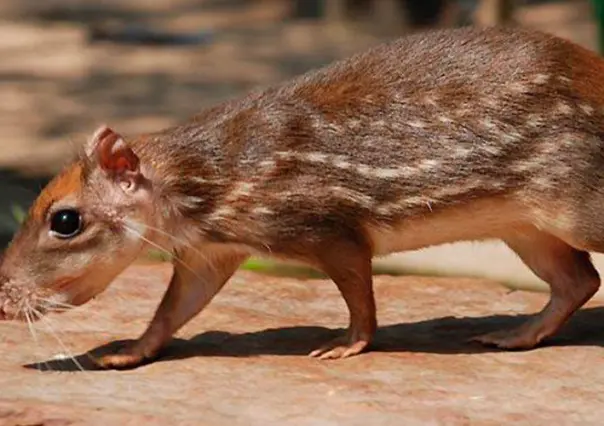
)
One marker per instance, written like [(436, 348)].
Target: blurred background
[(67, 66)]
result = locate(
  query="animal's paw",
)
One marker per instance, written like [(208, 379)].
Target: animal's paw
[(516, 338), (341, 347), (125, 357)]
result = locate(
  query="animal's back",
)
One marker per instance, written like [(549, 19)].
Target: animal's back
[(432, 120), (412, 127)]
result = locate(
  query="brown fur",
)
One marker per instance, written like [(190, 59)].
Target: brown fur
[(438, 137)]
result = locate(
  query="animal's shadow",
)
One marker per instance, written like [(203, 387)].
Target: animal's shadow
[(447, 335)]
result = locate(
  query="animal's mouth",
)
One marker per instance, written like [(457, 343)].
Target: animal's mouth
[(30, 305), (27, 313)]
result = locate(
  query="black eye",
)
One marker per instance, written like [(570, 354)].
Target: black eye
[(66, 223)]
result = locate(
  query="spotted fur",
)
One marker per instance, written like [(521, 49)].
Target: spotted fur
[(401, 131)]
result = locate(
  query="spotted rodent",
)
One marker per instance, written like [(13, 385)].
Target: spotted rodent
[(465, 134)]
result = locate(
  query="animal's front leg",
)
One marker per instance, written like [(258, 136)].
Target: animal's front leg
[(197, 277)]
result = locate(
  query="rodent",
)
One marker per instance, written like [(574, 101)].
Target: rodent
[(441, 136)]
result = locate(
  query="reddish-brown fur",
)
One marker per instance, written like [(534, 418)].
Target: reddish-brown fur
[(451, 135)]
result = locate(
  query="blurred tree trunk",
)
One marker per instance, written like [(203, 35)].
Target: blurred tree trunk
[(387, 16), (494, 12)]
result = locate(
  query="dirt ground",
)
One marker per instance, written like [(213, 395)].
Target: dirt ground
[(243, 360)]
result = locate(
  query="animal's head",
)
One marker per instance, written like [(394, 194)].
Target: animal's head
[(86, 226)]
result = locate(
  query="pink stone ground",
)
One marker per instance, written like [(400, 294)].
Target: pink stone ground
[(243, 360)]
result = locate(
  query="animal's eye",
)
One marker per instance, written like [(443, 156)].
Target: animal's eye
[(66, 223)]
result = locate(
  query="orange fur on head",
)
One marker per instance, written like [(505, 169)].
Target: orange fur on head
[(67, 183)]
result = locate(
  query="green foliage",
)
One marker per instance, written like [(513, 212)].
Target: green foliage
[(159, 256), (19, 213)]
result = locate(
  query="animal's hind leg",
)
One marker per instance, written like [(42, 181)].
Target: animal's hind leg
[(572, 278)]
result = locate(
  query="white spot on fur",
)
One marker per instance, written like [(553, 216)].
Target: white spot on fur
[(541, 78), (352, 195), (222, 212), (523, 166), (490, 102), (242, 189), (364, 170), (490, 149), (568, 139), (417, 124), (519, 87), (191, 201), (335, 128), (533, 120), (418, 200), (488, 123), (511, 137), (316, 157), (267, 164), (444, 119), (286, 155), (428, 164), (387, 209), (399, 99), (564, 108), (587, 109), (200, 180), (564, 79), (383, 173), (262, 211), (342, 164), (354, 124), (542, 182), (430, 100), (462, 151)]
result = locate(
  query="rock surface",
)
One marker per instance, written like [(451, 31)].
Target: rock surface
[(243, 360)]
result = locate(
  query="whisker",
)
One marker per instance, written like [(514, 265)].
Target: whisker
[(51, 304), (48, 326), (181, 241), (81, 327), (159, 247), (176, 258), (30, 326), (32, 330), (59, 307), (68, 308)]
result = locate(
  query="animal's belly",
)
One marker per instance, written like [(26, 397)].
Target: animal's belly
[(477, 220)]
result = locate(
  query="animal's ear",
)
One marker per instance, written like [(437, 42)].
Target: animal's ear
[(109, 150)]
